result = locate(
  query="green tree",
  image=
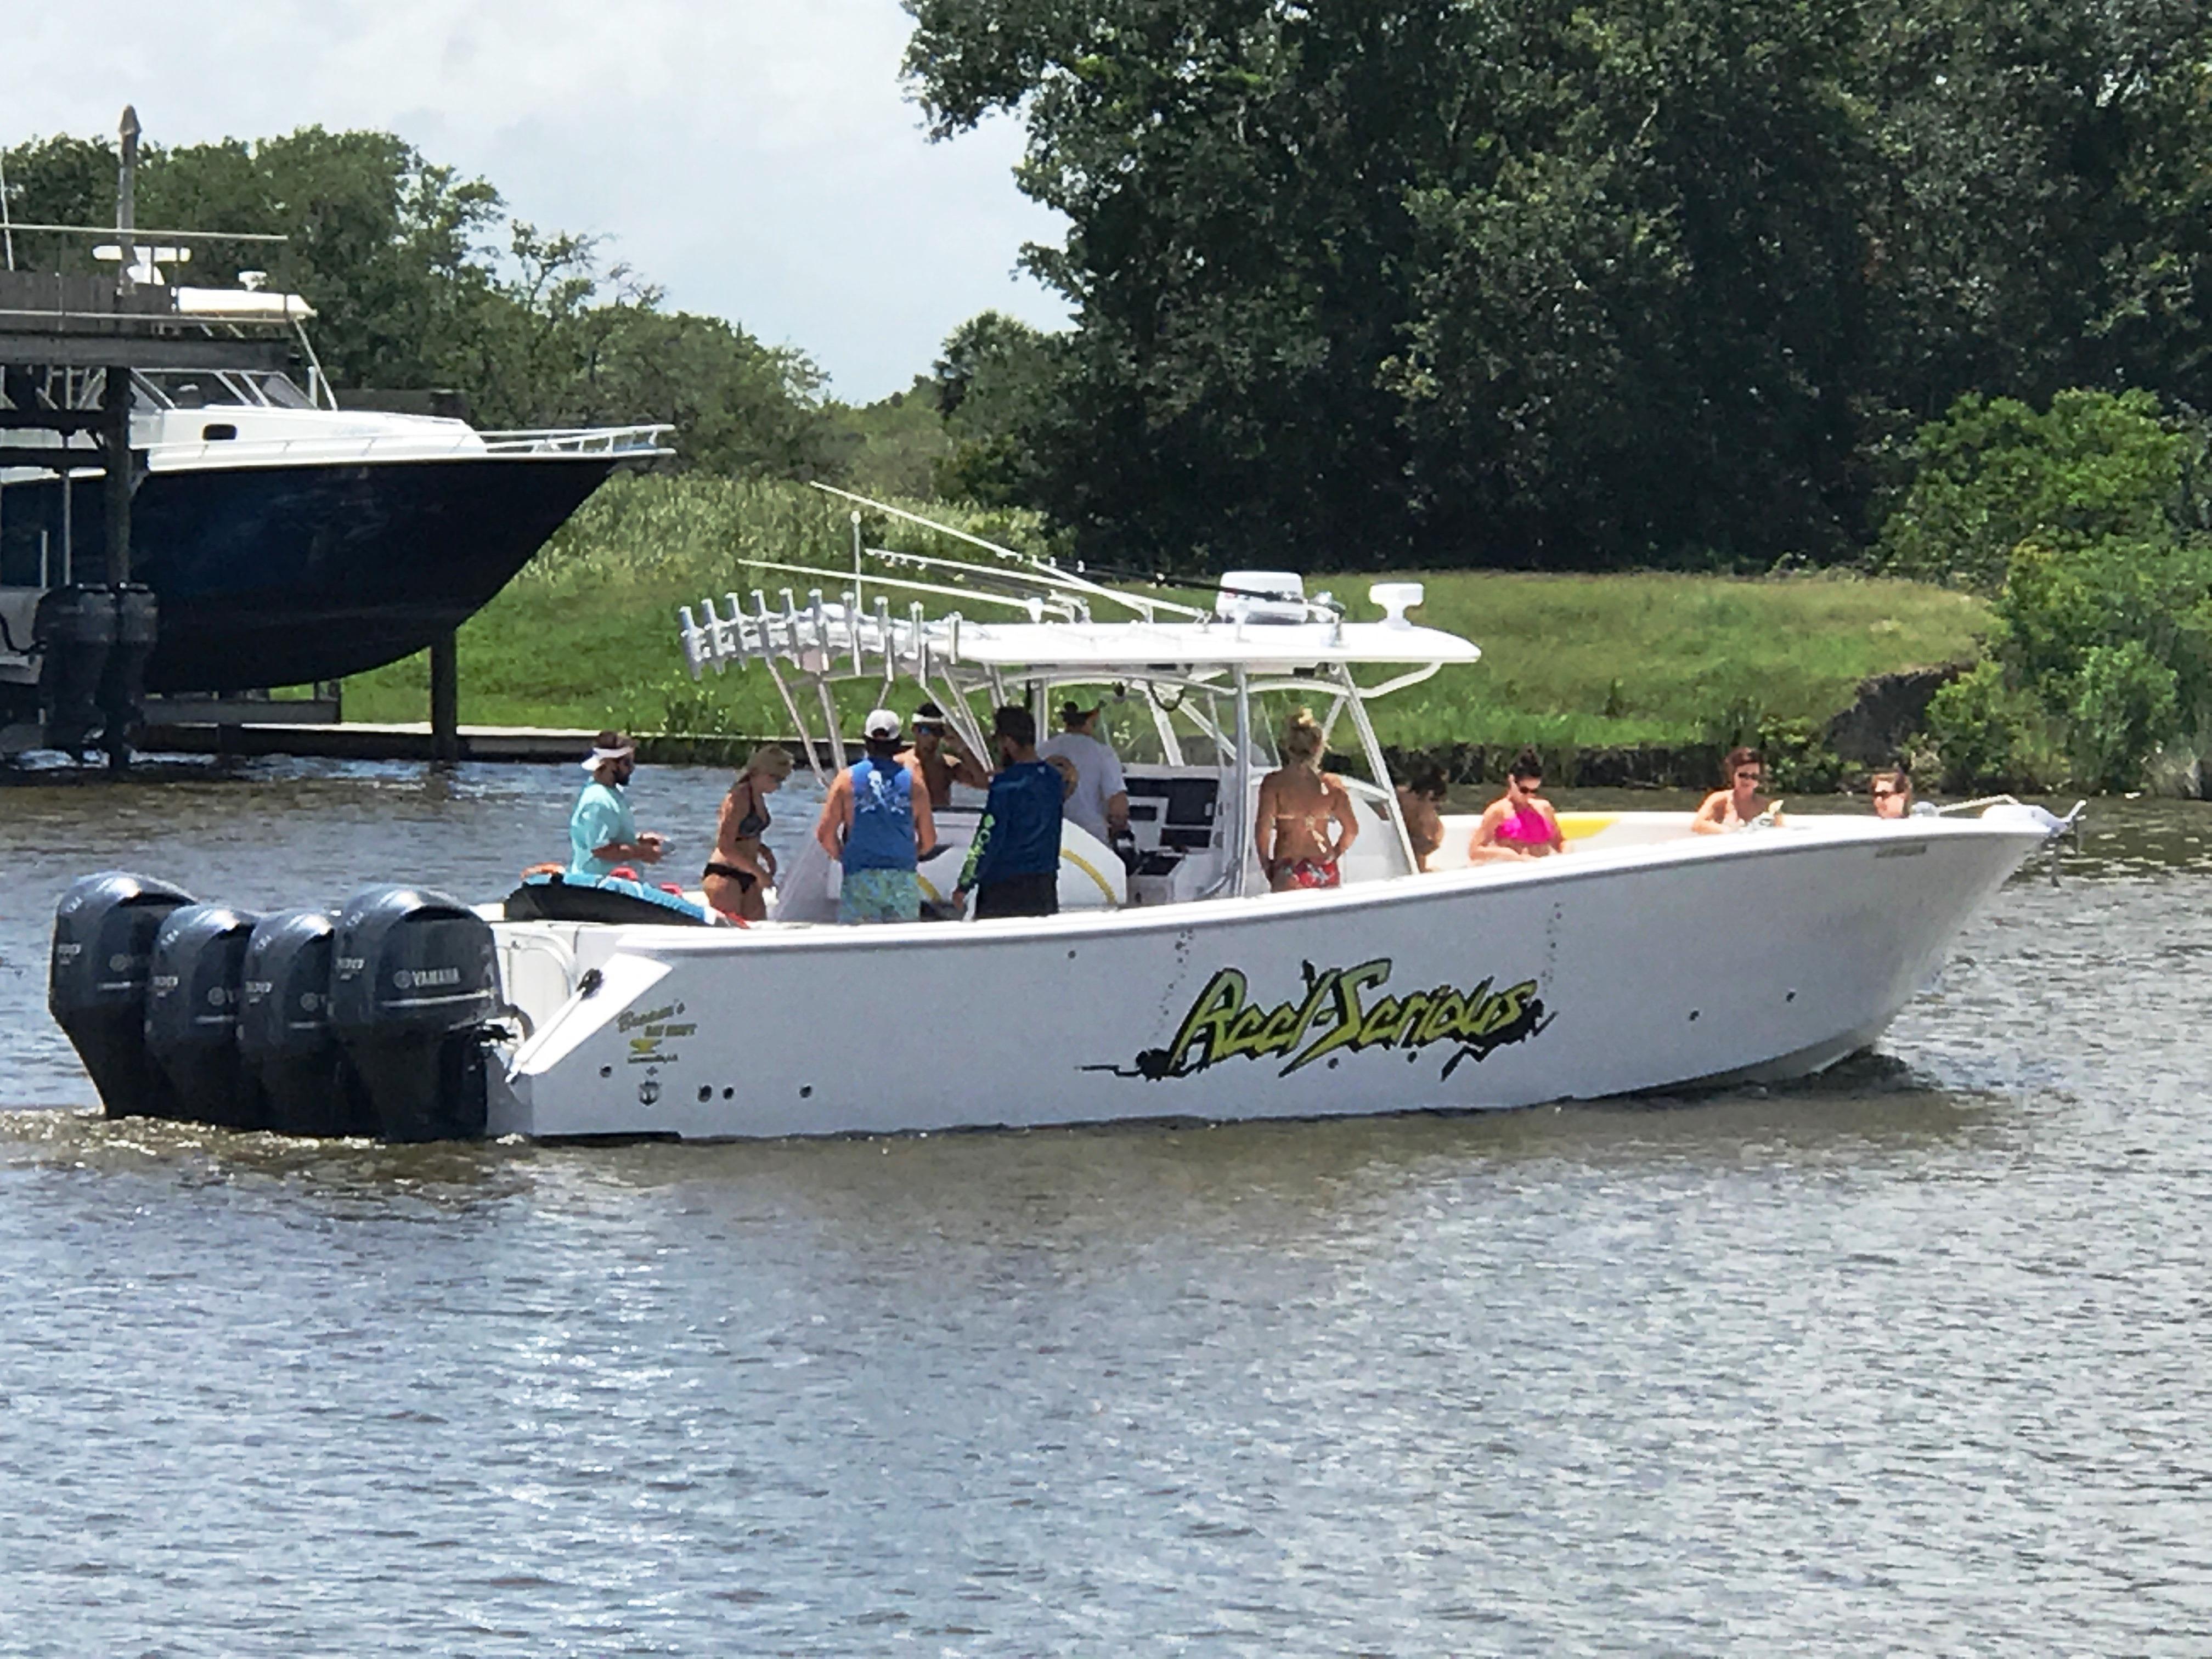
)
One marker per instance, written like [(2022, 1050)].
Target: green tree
[(1995, 473), (995, 389), (2101, 647), (1571, 283)]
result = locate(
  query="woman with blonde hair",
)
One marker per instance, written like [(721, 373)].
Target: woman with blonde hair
[(1306, 823), (742, 870)]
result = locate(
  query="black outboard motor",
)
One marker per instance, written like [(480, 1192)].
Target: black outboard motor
[(191, 1015), (123, 680), (74, 630), (413, 983), (96, 982), (284, 1033)]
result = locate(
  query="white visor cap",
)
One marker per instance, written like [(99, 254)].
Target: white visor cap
[(601, 757)]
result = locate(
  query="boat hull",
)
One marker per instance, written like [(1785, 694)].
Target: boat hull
[(284, 574), (1600, 974)]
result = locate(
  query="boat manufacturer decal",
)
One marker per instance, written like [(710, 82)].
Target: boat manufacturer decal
[(645, 1046), (1334, 1016)]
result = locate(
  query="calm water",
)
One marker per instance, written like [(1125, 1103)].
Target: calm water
[(1912, 1360)]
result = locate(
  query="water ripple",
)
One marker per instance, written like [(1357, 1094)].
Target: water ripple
[(1906, 1360)]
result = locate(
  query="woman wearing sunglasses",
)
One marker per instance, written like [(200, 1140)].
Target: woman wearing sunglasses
[(1739, 804), (1892, 792), (1521, 825)]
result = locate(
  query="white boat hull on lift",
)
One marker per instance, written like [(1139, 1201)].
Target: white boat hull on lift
[(1614, 969)]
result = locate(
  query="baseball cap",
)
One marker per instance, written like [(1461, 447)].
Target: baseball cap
[(1070, 712), (882, 725)]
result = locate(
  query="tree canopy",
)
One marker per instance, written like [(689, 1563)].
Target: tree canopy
[(1570, 282)]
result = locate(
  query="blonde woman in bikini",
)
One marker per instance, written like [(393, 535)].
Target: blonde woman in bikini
[(742, 870), (1306, 822), (1740, 806), (1521, 824)]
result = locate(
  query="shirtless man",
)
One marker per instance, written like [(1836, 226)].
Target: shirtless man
[(1739, 804), (938, 760)]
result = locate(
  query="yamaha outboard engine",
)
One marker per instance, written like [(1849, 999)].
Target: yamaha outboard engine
[(96, 982), (74, 630), (413, 983), (123, 680), (191, 1014), (284, 1033)]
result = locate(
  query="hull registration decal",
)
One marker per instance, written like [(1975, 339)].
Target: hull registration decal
[(1338, 1014)]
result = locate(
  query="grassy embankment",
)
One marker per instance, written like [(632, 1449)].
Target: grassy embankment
[(585, 636)]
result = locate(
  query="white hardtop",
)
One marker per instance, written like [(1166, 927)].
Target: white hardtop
[(241, 304), (1183, 645)]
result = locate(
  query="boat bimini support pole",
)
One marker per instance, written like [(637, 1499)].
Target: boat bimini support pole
[(798, 721), (1236, 839), (1396, 809)]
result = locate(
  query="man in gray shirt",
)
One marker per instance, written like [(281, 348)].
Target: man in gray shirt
[(1101, 801)]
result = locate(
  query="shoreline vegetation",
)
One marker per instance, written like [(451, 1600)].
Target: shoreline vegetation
[(1468, 336), (1636, 678)]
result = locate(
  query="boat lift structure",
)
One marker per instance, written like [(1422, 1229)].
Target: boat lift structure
[(74, 641)]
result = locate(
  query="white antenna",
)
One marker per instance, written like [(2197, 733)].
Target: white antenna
[(7, 225)]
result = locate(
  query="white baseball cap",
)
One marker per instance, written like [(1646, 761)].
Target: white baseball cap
[(882, 725)]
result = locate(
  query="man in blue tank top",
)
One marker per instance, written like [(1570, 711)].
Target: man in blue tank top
[(876, 825), (1014, 865)]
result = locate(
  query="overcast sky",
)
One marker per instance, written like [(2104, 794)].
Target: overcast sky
[(757, 158)]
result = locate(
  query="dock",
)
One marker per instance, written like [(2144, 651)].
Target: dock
[(415, 741)]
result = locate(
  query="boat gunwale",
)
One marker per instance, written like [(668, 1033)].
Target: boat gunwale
[(660, 940)]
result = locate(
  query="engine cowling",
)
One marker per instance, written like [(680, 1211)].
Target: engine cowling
[(96, 982)]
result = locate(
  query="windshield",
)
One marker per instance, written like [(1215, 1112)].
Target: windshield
[(193, 388), (279, 390)]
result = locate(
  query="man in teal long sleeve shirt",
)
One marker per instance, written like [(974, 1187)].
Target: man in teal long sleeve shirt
[(602, 830)]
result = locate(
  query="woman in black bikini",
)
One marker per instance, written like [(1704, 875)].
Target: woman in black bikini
[(743, 869)]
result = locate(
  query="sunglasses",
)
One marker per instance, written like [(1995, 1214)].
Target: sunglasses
[(1750, 777), (1889, 795)]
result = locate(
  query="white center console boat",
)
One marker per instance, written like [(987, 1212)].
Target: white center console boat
[(1172, 983)]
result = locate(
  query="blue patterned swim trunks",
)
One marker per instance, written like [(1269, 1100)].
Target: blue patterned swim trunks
[(879, 896)]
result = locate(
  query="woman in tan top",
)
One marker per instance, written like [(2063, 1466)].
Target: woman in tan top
[(1740, 806), (1306, 823)]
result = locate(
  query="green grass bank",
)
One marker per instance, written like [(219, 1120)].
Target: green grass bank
[(585, 636)]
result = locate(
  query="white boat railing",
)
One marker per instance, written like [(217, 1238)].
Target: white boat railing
[(425, 442), (579, 440), (828, 640)]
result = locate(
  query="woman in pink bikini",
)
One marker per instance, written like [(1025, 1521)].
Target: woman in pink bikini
[(1522, 825)]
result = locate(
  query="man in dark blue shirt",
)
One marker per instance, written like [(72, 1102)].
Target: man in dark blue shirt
[(1014, 866)]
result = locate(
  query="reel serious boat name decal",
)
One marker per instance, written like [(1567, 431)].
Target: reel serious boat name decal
[(1335, 1018)]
